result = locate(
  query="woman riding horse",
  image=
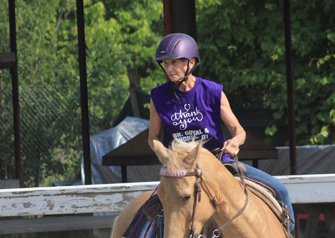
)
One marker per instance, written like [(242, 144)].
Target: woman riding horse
[(191, 108), (194, 187)]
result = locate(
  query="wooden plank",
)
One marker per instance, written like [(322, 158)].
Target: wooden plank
[(114, 197), (54, 223), (315, 188), (314, 192), (70, 200)]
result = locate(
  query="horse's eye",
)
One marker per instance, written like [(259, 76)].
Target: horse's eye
[(186, 198)]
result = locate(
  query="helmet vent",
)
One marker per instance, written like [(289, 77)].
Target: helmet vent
[(175, 46), (167, 48)]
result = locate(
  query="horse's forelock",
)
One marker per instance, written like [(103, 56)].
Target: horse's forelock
[(180, 150)]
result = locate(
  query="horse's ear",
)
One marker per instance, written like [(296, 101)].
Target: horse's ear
[(161, 151), (191, 158)]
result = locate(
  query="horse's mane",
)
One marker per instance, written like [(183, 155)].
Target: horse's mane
[(180, 150)]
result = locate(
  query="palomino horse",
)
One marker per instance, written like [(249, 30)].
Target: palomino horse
[(188, 167)]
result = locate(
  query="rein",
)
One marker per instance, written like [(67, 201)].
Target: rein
[(240, 174), (197, 195)]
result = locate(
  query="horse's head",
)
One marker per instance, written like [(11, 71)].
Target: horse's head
[(186, 167)]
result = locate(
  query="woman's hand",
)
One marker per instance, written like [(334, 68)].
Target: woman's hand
[(230, 147)]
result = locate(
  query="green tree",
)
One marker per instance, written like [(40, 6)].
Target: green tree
[(242, 46), (125, 36), (49, 75)]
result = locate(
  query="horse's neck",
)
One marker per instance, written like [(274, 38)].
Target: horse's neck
[(231, 195), (255, 221), (231, 198)]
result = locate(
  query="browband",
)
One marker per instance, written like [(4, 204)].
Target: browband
[(179, 173)]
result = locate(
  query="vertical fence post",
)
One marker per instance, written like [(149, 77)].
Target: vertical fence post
[(15, 92), (83, 91), (290, 97), (290, 86)]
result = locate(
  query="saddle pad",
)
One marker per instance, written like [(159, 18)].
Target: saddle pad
[(143, 226)]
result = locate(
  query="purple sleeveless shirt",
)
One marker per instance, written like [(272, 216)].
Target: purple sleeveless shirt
[(195, 116)]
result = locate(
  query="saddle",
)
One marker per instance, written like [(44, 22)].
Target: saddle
[(264, 192), (268, 196)]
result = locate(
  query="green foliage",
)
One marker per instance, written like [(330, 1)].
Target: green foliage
[(125, 35), (242, 45)]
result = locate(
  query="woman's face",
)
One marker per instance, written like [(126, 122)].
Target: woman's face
[(176, 68)]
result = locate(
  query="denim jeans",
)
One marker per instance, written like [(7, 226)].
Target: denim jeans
[(275, 184)]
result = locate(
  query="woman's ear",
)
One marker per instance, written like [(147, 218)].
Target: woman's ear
[(192, 62)]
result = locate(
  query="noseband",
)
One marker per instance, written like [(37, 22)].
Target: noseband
[(197, 172)]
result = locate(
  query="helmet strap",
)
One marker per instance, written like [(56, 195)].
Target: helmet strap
[(160, 65), (187, 73), (176, 86)]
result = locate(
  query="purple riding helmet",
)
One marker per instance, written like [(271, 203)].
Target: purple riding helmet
[(178, 46)]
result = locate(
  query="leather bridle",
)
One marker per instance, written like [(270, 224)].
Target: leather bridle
[(197, 195)]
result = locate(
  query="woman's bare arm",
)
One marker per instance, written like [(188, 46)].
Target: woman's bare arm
[(237, 132)]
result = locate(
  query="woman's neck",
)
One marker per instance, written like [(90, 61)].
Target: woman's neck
[(188, 84)]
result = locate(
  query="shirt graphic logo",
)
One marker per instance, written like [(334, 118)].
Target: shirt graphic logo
[(183, 118)]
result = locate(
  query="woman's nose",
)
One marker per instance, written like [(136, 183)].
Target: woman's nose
[(168, 67)]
